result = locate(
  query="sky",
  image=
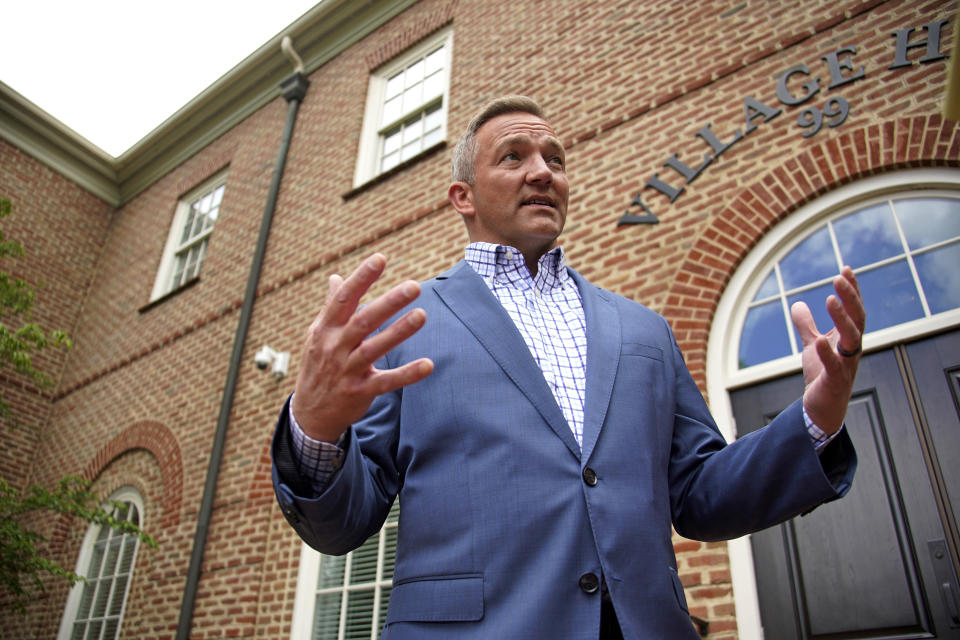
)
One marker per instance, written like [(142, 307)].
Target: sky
[(113, 70)]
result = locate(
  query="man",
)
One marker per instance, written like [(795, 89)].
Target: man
[(542, 433)]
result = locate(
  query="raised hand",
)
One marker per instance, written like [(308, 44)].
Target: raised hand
[(830, 360), (337, 381)]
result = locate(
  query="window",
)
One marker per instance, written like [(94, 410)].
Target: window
[(95, 609), (406, 110), (345, 597), (904, 250), (186, 246)]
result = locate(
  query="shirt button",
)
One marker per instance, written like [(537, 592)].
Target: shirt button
[(590, 477), (508, 255), (589, 583)]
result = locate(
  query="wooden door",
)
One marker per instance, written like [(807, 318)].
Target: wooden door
[(882, 562)]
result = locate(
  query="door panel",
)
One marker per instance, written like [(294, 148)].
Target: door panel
[(860, 567), (936, 367)]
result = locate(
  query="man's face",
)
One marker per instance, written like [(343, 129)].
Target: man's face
[(519, 197)]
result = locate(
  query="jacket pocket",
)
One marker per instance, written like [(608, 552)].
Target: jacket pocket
[(640, 349), (678, 590), (453, 598)]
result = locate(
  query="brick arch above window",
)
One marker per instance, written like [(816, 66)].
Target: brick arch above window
[(162, 443), (921, 141)]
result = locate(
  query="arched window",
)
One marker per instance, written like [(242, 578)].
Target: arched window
[(904, 249), (899, 231), (95, 608)]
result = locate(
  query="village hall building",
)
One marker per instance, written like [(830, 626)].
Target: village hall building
[(725, 158)]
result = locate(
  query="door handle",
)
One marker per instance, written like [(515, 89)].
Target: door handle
[(946, 579)]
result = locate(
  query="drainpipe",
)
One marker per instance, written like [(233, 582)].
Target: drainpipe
[(293, 89)]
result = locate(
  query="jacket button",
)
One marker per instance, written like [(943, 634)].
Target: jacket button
[(589, 582), (590, 477), (291, 515)]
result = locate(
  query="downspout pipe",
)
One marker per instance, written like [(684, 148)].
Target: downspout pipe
[(293, 90)]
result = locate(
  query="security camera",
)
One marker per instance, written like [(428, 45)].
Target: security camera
[(280, 359), (263, 358)]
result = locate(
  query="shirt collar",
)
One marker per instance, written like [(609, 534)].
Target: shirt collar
[(504, 264)]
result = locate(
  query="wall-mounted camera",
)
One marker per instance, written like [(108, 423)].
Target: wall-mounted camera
[(279, 359)]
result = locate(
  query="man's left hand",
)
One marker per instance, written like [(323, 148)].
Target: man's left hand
[(830, 360)]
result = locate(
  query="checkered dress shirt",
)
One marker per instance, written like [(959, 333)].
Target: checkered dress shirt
[(548, 312)]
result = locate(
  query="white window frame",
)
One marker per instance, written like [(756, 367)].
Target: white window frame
[(125, 494), (723, 373), (163, 285), (304, 605), (371, 141)]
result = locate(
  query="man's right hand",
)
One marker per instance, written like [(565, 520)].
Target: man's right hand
[(337, 382)]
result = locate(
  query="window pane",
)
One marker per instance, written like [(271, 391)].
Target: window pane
[(414, 74), (331, 571), (769, 287), (116, 603), (432, 138), (764, 335), (889, 296), (363, 567), (129, 547), (181, 261), (394, 85), (390, 161), (939, 272), (113, 556), (198, 222), (326, 621), (412, 98), (434, 62), (410, 150), (412, 129), (188, 225), (94, 631), (100, 600), (359, 615), (83, 611), (434, 118), (926, 221), (433, 86), (810, 261), (110, 628), (868, 236), (816, 299), (392, 110), (392, 141)]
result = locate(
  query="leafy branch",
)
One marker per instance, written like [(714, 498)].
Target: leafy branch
[(22, 563)]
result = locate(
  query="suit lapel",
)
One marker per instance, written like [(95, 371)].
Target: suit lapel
[(472, 302), (603, 357)]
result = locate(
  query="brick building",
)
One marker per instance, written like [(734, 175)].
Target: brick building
[(712, 149)]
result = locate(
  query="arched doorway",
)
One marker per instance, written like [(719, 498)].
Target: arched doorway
[(882, 563)]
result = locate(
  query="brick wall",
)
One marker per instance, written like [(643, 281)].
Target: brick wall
[(627, 84), (62, 229)]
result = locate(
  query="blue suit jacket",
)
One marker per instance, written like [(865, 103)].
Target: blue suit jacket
[(497, 522)]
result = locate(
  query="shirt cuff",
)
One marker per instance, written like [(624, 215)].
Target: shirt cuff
[(817, 435), (318, 461)]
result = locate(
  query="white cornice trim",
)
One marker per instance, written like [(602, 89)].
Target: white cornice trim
[(318, 35), (31, 129)]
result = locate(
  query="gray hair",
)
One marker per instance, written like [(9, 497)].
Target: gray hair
[(465, 152)]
